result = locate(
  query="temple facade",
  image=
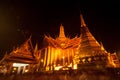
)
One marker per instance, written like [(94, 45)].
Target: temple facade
[(77, 53), (22, 59), (58, 53)]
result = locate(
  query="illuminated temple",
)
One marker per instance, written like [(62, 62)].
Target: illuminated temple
[(60, 53)]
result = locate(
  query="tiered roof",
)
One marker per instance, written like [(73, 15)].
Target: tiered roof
[(62, 41), (23, 54)]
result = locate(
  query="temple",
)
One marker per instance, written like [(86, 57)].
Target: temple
[(60, 53), (21, 59)]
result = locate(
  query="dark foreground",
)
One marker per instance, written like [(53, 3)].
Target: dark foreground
[(66, 75)]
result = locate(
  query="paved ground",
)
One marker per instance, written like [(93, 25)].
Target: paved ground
[(81, 75)]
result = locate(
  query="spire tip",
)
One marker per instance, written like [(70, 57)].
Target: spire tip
[(82, 21)]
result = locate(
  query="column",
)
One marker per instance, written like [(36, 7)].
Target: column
[(19, 68), (24, 67), (45, 56)]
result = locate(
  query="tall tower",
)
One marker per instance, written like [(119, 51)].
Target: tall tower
[(90, 50), (89, 45)]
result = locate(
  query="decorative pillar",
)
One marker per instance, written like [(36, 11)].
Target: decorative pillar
[(68, 56), (48, 57), (24, 67), (19, 68), (45, 57)]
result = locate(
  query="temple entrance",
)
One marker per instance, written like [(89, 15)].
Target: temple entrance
[(19, 68)]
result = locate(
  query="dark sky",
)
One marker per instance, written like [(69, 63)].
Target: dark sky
[(19, 19)]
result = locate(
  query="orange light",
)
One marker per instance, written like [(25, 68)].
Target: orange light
[(75, 66), (58, 68), (26, 70)]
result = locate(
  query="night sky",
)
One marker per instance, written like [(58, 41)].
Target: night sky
[(19, 19)]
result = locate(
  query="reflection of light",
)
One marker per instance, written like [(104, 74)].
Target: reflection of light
[(14, 68), (41, 60), (58, 67), (26, 70), (75, 66)]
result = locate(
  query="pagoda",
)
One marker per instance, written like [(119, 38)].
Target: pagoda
[(90, 51)]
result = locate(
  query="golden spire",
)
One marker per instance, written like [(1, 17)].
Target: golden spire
[(82, 21), (61, 34), (88, 42)]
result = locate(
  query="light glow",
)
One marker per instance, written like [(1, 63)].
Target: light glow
[(58, 67), (75, 66), (14, 69), (26, 70), (19, 64)]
